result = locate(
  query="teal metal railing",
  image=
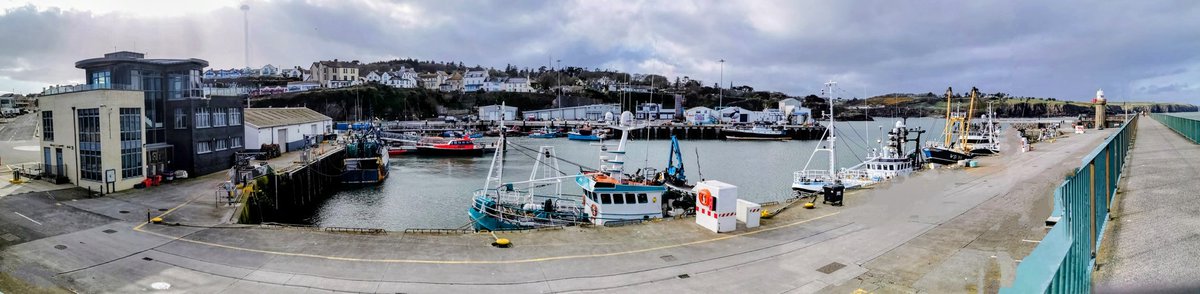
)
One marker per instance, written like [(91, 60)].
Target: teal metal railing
[(1188, 127), (1064, 260)]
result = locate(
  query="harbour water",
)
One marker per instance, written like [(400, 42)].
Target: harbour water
[(427, 192)]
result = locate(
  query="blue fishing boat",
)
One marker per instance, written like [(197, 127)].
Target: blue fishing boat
[(586, 133), (366, 159), (544, 133)]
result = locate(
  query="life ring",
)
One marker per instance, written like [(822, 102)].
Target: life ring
[(704, 198), (595, 212)]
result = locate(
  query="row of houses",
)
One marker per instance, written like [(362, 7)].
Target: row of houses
[(789, 111)]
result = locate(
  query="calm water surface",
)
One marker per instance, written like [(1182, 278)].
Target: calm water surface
[(425, 192)]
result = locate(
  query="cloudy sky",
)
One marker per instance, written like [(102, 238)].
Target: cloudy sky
[(1137, 50)]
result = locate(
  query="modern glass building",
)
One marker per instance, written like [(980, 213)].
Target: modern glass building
[(184, 130)]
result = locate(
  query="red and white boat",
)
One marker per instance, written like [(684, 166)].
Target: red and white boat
[(438, 146)]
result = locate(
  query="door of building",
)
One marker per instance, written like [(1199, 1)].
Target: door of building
[(282, 139), (59, 168)]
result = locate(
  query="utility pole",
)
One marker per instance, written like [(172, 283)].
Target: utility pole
[(246, 31), (721, 94)]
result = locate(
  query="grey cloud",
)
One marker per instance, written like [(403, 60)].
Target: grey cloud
[(1061, 49)]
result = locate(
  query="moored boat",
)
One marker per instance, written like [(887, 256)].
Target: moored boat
[(755, 133), (366, 159), (438, 146), (954, 147)]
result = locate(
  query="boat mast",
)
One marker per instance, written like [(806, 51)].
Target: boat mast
[(832, 133), (949, 120), (496, 171), (966, 124)]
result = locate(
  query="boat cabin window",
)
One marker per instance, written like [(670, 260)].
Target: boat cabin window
[(630, 198), (618, 199), (642, 198), (605, 199)]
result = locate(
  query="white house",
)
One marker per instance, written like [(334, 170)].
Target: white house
[(653, 111), (291, 73), (494, 112), (474, 80), (433, 81), (700, 115), (284, 126), (269, 70), (374, 77), (493, 85), (520, 85)]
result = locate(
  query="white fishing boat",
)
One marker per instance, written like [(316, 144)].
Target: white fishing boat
[(813, 180), (885, 163), (612, 196)]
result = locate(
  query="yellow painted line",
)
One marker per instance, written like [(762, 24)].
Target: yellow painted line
[(551, 258), (139, 227)]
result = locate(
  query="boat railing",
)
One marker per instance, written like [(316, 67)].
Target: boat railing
[(855, 174), (812, 174)]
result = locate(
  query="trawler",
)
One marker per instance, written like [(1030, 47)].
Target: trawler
[(954, 147)]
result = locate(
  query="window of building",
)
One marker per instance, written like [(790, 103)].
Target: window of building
[(102, 80), (235, 116), (222, 144), (203, 147), (89, 143), (48, 125), (219, 117), (131, 142), (202, 117), (180, 118), (236, 142)]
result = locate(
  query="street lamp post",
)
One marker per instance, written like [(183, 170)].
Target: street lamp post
[(721, 94), (558, 75)]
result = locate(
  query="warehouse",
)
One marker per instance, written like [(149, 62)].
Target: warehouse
[(284, 126)]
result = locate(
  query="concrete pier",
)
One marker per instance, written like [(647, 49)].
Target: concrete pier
[(939, 231), (1151, 243)]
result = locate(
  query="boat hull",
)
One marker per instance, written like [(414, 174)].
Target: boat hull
[(743, 135), (544, 136), (430, 151), (945, 156), (576, 137), (364, 176)]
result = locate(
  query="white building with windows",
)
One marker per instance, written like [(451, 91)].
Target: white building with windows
[(474, 80), (287, 127), (519, 85), (93, 138), (592, 112), (374, 77), (700, 115), (496, 112)]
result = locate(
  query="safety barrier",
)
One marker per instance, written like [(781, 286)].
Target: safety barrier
[(1188, 127), (1063, 262)]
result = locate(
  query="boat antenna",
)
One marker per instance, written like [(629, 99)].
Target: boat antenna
[(832, 132)]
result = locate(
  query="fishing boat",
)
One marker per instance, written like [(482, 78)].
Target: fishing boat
[(612, 196), (813, 180), (587, 133), (544, 133), (503, 206), (954, 147), (366, 159), (889, 161), (757, 132), (985, 141), (438, 146)]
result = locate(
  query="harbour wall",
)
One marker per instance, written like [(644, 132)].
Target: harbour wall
[(291, 194)]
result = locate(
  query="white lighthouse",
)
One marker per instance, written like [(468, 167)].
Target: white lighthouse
[(1099, 102)]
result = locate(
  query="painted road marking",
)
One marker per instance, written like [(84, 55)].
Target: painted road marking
[(26, 217), (1031, 241), (426, 261)]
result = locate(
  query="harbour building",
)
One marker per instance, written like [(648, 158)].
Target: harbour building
[(136, 118)]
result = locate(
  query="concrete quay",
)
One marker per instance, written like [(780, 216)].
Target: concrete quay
[(1152, 242), (938, 231)]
